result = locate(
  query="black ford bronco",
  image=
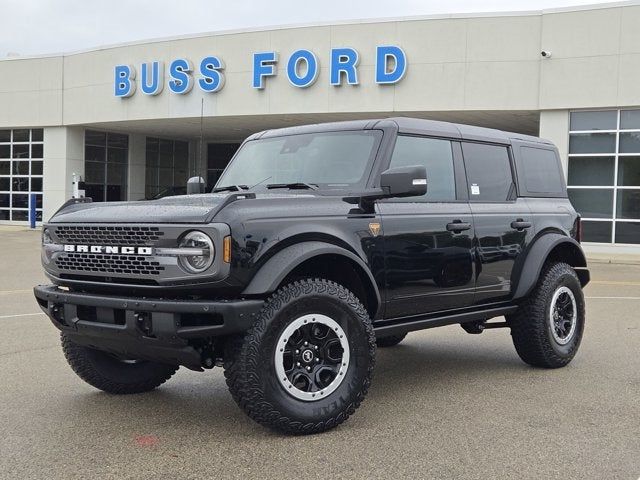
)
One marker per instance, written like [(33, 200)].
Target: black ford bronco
[(318, 243)]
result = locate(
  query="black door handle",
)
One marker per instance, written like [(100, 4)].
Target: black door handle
[(458, 226), (520, 224)]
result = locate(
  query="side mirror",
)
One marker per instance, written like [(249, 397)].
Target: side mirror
[(195, 185), (404, 181)]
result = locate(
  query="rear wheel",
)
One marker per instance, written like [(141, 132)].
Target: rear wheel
[(389, 340), (306, 363), (547, 328), (111, 374)]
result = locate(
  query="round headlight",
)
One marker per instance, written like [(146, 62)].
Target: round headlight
[(200, 262), (47, 244), (46, 237)]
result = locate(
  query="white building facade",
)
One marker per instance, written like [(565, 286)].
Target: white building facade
[(135, 120)]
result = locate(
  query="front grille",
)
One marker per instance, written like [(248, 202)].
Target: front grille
[(115, 264), (108, 235)]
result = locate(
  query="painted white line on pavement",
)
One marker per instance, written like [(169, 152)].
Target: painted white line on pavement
[(612, 298), (21, 315)]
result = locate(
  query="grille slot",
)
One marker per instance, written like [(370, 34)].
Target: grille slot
[(108, 235), (99, 263)]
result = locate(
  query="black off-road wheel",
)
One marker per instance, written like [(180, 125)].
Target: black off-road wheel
[(389, 340), (111, 374), (547, 328), (306, 363)]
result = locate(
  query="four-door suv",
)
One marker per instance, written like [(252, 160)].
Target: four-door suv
[(318, 243)]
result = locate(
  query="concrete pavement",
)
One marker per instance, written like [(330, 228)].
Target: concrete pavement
[(444, 404)]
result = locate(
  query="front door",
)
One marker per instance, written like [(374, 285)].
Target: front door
[(428, 240)]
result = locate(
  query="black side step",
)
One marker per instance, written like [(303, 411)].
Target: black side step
[(409, 324)]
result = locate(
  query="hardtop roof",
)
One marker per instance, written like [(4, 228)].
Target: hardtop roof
[(415, 126)]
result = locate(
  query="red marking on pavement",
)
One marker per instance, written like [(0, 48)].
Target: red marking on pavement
[(146, 440)]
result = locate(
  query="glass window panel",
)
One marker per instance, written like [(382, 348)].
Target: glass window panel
[(21, 135), (628, 232), (605, 120), (629, 119), (152, 144), (38, 215), (95, 138), (166, 177), (20, 200), (629, 171), (94, 172), (20, 215), (436, 156), (117, 155), (541, 170), (151, 159), (21, 168), (5, 135), (166, 146), (20, 184), (37, 135), (38, 201), (36, 168), (94, 154), (151, 176), (5, 214), (165, 160), (36, 150), (5, 151), (589, 171), (36, 184), (596, 231), (489, 169), (5, 167), (180, 177), (628, 204), (117, 140), (4, 200), (592, 143), (115, 193), (116, 174), (182, 151), (5, 184), (95, 191), (630, 142), (592, 202), (20, 151)]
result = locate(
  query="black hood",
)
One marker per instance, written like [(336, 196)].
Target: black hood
[(180, 209)]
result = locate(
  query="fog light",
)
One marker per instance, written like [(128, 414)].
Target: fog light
[(203, 259)]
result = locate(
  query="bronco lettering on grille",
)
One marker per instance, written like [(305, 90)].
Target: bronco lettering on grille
[(109, 249)]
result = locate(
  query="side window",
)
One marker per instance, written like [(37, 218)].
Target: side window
[(488, 172), (436, 155), (541, 170)]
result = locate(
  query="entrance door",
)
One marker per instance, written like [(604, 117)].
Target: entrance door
[(106, 160), (428, 240)]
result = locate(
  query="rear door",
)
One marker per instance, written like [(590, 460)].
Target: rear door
[(428, 240), (503, 222)]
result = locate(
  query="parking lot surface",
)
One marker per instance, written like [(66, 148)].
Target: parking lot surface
[(444, 404)]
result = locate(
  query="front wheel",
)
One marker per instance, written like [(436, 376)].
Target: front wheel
[(547, 328), (306, 363)]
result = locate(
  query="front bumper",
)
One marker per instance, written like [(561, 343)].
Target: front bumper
[(151, 329)]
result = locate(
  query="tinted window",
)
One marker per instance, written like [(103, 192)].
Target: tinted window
[(435, 154), (540, 170), (488, 172), (599, 120)]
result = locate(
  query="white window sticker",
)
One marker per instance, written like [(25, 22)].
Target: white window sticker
[(475, 189)]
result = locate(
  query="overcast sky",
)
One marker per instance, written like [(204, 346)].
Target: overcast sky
[(31, 27)]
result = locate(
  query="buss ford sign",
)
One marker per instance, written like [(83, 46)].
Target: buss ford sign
[(302, 69)]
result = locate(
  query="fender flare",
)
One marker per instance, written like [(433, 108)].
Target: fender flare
[(275, 270), (527, 275)]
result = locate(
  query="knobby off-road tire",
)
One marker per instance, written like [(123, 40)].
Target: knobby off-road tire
[(109, 374), (294, 314), (533, 325), (389, 340)]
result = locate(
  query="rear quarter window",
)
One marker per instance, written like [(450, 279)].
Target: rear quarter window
[(540, 171)]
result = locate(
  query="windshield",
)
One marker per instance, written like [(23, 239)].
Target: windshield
[(327, 159)]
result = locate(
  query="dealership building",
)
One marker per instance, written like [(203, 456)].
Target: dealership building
[(135, 120)]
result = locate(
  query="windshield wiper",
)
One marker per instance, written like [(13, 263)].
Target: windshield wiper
[(230, 188), (293, 186)]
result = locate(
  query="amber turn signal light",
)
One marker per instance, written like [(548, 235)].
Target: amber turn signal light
[(226, 249)]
